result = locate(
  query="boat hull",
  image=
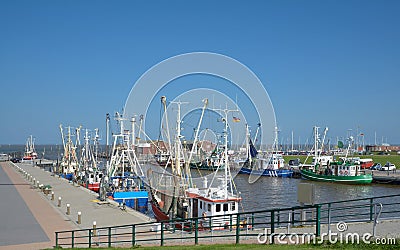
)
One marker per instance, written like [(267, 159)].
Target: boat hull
[(361, 179), (138, 200), (158, 214), (95, 187), (267, 172)]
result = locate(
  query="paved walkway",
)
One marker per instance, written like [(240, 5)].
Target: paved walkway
[(53, 218)]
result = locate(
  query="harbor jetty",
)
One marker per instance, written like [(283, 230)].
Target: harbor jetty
[(56, 204), (386, 177)]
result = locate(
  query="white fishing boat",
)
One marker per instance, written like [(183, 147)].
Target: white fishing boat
[(69, 163), (90, 175), (175, 195), (124, 179), (30, 152)]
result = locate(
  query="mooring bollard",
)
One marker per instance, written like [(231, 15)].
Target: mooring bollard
[(79, 217), (68, 209), (52, 195), (37, 184), (94, 229), (59, 201), (34, 181)]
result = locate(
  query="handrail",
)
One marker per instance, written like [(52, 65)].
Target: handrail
[(360, 199), (224, 226)]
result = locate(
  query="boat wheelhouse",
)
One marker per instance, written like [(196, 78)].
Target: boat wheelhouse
[(211, 202), (346, 171)]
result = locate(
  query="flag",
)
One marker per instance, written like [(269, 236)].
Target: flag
[(236, 119), (340, 144)]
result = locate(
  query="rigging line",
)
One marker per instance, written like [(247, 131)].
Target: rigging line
[(147, 137)]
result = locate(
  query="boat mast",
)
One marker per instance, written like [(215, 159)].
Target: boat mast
[(96, 143), (292, 142), (133, 121), (276, 142), (87, 156), (164, 103), (316, 138), (194, 147), (178, 140), (107, 134), (323, 141), (226, 167)]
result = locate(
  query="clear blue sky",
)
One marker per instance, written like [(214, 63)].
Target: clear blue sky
[(327, 63)]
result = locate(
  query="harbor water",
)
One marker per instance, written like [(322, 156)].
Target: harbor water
[(265, 192)]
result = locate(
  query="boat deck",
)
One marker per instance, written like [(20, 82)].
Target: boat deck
[(378, 177)]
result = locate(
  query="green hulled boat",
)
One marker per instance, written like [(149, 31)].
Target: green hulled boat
[(346, 172), (345, 179)]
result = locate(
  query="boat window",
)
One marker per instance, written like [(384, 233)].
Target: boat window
[(209, 207), (233, 206), (226, 207), (218, 208), (201, 204)]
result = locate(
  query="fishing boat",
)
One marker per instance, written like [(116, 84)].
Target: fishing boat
[(91, 175), (344, 171), (273, 165), (69, 163), (124, 179), (30, 152), (175, 195), (211, 162)]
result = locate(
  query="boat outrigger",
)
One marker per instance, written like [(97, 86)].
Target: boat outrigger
[(124, 179), (273, 165), (176, 196), (344, 171), (30, 152)]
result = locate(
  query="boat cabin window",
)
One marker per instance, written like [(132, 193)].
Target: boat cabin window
[(218, 208), (201, 204), (233, 206), (209, 207), (226, 207)]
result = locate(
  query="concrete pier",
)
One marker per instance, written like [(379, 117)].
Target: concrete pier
[(45, 211)]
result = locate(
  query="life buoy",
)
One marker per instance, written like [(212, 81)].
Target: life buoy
[(341, 172), (204, 214), (346, 172)]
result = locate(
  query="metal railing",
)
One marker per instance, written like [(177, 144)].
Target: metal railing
[(234, 228)]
